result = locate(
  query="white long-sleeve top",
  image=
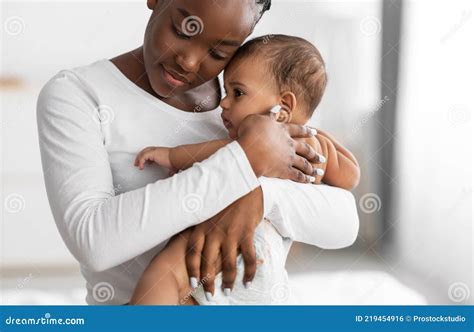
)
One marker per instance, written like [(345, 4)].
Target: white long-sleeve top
[(114, 218)]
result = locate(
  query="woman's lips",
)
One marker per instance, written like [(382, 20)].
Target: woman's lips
[(172, 79)]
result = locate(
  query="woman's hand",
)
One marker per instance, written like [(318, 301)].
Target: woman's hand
[(216, 243), (272, 150)]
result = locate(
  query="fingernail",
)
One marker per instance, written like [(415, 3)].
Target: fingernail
[(227, 291), (208, 296), (322, 159), (194, 282), (313, 131), (319, 171), (311, 178), (247, 284)]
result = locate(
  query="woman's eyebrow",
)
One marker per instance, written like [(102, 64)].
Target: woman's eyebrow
[(183, 12)]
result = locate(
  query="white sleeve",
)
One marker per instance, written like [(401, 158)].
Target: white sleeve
[(319, 215), (103, 230)]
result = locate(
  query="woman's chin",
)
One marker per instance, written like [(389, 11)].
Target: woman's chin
[(162, 91)]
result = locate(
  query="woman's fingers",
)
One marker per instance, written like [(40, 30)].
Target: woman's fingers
[(250, 260), (304, 149), (193, 256), (208, 265), (296, 175), (229, 266), (296, 130), (304, 166)]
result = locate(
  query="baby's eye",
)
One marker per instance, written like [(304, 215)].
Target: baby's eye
[(238, 93)]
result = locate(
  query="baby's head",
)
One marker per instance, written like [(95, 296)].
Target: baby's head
[(273, 70)]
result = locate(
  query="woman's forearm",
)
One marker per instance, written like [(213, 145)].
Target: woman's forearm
[(319, 215)]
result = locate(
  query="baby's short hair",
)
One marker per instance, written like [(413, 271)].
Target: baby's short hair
[(295, 64)]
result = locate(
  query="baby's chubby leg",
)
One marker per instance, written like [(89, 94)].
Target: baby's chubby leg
[(165, 280)]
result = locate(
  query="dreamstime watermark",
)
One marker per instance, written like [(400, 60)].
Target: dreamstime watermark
[(199, 107), (192, 203), (182, 124), (14, 25), (459, 115), (280, 292), (370, 26), (186, 298), (370, 203), (459, 292), (106, 115), (465, 16), (192, 26), (14, 203), (103, 292), (267, 38), (358, 126), (117, 189), (46, 320), (24, 281)]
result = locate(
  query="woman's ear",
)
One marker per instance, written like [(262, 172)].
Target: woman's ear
[(151, 4), (288, 105)]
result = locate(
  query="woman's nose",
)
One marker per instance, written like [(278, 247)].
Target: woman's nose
[(189, 63)]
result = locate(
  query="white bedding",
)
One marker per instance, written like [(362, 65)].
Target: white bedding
[(320, 288)]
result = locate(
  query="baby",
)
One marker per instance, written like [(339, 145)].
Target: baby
[(280, 74)]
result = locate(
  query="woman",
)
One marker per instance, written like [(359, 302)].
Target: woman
[(92, 121)]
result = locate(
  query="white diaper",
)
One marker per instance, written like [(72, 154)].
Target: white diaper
[(270, 284)]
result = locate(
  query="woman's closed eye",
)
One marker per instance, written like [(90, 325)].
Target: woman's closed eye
[(217, 55), (180, 34), (212, 52)]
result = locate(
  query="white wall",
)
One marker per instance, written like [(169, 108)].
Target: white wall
[(434, 151), (40, 38)]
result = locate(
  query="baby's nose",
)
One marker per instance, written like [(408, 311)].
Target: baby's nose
[(224, 104)]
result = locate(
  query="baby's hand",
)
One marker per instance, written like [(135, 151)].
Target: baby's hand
[(156, 154)]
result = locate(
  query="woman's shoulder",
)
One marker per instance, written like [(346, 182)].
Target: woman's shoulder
[(76, 82), (70, 89)]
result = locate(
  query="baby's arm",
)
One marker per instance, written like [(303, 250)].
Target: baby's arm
[(341, 168), (180, 157)]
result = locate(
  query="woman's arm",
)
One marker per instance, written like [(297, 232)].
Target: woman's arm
[(323, 216), (103, 230), (319, 215)]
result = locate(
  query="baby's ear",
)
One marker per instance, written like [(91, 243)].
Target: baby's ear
[(288, 105)]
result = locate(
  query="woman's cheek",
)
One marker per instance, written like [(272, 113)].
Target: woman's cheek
[(209, 69)]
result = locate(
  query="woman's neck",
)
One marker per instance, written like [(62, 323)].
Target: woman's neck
[(131, 64)]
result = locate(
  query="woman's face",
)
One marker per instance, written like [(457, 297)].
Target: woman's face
[(188, 43)]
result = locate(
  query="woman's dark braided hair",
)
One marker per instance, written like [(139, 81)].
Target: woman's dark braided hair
[(265, 4)]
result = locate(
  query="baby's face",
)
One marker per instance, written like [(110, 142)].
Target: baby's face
[(248, 91)]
